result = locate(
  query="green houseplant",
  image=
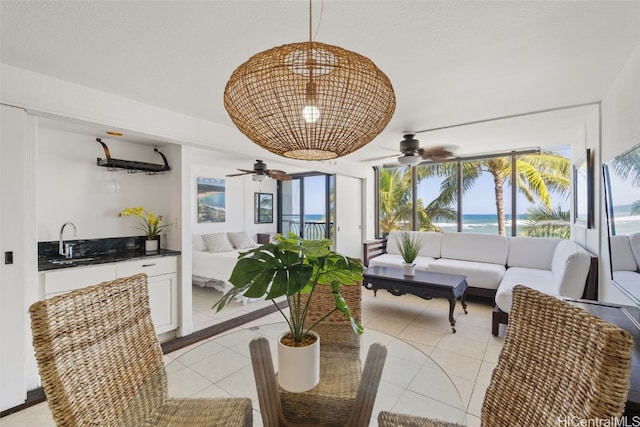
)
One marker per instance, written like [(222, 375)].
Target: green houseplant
[(409, 246), (292, 267)]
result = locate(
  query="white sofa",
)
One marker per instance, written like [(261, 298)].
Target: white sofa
[(495, 264), (625, 259)]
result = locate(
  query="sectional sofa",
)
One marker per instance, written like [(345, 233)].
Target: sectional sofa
[(495, 264), (625, 260)]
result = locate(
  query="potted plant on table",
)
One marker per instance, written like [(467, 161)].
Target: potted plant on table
[(292, 267), (409, 246), (150, 225)]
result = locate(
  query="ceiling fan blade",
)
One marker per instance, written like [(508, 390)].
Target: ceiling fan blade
[(282, 177), (244, 172), (374, 159), (274, 172), (435, 153)]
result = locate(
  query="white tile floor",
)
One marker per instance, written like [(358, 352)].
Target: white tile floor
[(468, 356)]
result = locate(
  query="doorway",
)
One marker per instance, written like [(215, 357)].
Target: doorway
[(306, 206)]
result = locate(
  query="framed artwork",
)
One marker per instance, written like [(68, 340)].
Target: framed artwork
[(583, 190), (263, 208), (211, 200)]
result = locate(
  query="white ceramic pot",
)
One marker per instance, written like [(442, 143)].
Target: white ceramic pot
[(298, 367), (409, 269), (150, 245)]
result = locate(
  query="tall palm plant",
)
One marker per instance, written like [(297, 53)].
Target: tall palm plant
[(396, 203), (537, 176)]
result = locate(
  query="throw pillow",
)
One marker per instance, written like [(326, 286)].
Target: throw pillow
[(217, 242), (241, 240)]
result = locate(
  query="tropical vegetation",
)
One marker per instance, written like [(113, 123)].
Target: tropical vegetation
[(409, 246), (544, 222)]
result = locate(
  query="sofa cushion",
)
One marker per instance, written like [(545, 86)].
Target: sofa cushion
[(217, 242), (531, 252), (622, 258), (479, 274), (430, 242), (570, 266), (539, 279), (475, 247), (395, 260)]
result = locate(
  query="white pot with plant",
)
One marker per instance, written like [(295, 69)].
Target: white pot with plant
[(150, 225), (409, 245), (292, 267)]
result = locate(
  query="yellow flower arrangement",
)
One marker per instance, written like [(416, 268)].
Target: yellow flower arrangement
[(150, 224)]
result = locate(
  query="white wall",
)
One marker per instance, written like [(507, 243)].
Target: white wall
[(620, 133), (239, 194), (71, 187)]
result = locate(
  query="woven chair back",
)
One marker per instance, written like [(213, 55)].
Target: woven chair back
[(559, 364), (95, 348)]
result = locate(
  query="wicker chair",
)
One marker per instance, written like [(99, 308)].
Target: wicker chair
[(559, 365), (101, 364), (340, 366), (269, 392)]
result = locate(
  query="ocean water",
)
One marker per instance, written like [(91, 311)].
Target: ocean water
[(479, 223)]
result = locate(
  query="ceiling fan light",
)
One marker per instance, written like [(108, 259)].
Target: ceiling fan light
[(259, 177), (409, 160)]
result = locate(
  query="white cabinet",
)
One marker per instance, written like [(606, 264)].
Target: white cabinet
[(163, 288), (68, 279), (162, 283)]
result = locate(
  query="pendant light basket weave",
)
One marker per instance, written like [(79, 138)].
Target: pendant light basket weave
[(265, 97)]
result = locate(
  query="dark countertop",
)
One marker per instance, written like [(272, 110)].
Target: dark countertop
[(45, 264)]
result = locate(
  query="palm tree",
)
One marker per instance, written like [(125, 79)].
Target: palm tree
[(628, 168), (537, 176), (395, 198), (544, 222), (396, 203)]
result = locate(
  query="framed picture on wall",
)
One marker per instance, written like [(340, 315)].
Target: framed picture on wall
[(211, 200), (263, 208), (583, 190)]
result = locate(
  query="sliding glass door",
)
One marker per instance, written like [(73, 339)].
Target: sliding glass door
[(306, 206)]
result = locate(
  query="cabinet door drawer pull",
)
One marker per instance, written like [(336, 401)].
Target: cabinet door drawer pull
[(148, 265)]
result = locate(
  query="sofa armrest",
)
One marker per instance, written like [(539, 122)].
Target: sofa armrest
[(373, 248), (591, 287)]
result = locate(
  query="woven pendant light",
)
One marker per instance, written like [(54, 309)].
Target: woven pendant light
[(309, 100)]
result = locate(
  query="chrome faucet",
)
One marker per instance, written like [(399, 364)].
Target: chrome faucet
[(66, 249)]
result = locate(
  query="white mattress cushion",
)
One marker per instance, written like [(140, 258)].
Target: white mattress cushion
[(217, 242), (531, 252), (622, 258), (218, 265), (539, 279), (570, 266), (394, 260), (475, 247), (634, 241), (241, 240), (479, 274)]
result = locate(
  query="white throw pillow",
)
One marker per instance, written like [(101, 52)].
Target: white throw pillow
[(241, 240), (217, 242)]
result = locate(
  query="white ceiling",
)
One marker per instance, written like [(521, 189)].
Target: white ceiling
[(450, 62)]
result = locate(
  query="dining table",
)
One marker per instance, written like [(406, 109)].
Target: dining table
[(412, 382)]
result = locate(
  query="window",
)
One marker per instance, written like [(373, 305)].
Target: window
[(475, 195)]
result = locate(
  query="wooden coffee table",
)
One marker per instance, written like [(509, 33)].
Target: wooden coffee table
[(424, 284)]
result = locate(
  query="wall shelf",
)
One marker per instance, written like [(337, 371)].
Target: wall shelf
[(131, 166)]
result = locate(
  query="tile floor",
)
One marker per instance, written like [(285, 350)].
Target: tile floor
[(468, 357)]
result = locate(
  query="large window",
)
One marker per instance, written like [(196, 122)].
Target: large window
[(477, 195)]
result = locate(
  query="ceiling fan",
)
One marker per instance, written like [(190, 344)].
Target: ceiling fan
[(261, 172), (412, 153)]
